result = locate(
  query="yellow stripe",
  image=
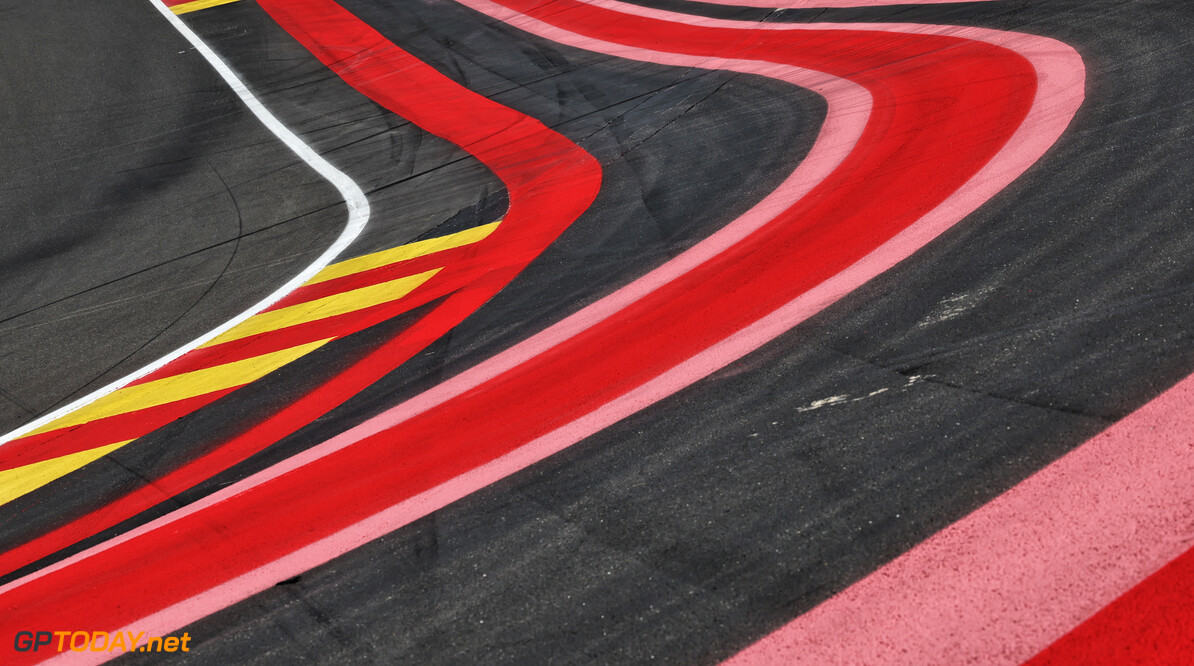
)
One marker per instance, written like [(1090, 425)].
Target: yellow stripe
[(410, 251), (356, 299), (180, 387), (21, 480), (322, 308), (238, 373), (196, 5)]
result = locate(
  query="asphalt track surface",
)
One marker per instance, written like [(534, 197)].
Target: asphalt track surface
[(147, 206)]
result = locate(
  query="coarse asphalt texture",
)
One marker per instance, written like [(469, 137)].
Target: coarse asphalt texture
[(144, 206)]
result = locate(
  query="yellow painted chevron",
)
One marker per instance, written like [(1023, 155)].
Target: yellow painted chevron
[(180, 387), (230, 375), (322, 308), (404, 252), (196, 5), (21, 480)]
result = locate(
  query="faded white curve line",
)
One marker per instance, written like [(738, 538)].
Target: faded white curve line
[(354, 199)]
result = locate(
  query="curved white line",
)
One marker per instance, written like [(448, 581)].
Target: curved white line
[(354, 198)]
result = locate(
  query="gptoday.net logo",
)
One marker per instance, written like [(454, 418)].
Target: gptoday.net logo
[(98, 641)]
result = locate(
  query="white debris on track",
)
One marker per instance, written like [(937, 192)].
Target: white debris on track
[(954, 306), (844, 398)]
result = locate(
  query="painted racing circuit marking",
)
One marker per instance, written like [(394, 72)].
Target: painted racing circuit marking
[(995, 587), (924, 123), (188, 6), (340, 300), (354, 199), (1150, 624), (550, 182), (1020, 572)]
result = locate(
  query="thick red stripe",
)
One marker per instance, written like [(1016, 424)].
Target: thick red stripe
[(1152, 624), (339, 325), (550, 182), (377, 275), (942, 107), (299, 334), (464, 268)]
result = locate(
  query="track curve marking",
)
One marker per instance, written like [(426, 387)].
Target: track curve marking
[(341, 299), (550, 182), (354, 198), (996, 101), (1088, 560)]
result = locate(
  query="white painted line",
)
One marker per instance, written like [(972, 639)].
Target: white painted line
[(354, 198)]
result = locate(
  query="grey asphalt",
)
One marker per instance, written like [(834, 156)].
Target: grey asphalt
[(142, 204), (687, 531)]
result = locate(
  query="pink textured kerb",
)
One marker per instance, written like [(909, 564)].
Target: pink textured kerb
[(1013, 577)]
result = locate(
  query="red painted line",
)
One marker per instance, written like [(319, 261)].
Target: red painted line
[(321, 329), (465, 269), (100, 432), (1152, 624), (378, 275), (946, 111), (550, 182), (287, 420), (132, 425)]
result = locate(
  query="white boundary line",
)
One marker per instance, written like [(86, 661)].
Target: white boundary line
[(354, 198)]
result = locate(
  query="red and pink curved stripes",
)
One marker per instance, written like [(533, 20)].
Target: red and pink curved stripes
[(861, 202)]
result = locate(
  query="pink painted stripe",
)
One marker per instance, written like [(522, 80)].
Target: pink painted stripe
[(1058, 98), (1016, 575), (848, 111)]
